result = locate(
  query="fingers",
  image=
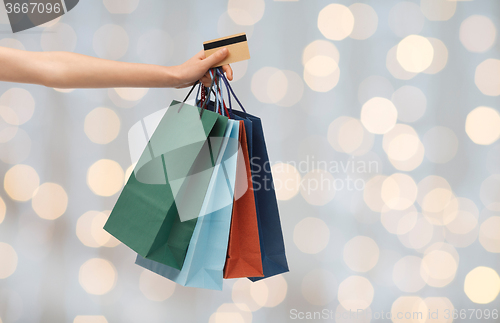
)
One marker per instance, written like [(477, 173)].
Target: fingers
[(215, 58), (228, 71), (206, 80)]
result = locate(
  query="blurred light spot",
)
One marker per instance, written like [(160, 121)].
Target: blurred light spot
[(415, 53), (240, 69), (286, 181), (20, 102), (483, 125), (102, 125), (441, 144), (318, 187), (9, 258), (438, 268), (346, 135), (64, 90), (365, 21), (155, 47), (90, 319), (110, 42), (487, 77), (379, 115), (59, 37), (227, 26), (461, 240), (131, 94), (439, 305), (399, 191), (7, 132), (311, 235), (335, 21), (9, 117), (269, 85), (482, 285), (320, 48), (321, 66), (395, 68), (439, 204), (231, 313), (374, 86), (105, 177), (294, 89), (438, 10), (410, 102), (319, 287), (322, 84), (89, 230), (242, 296), (49, 201), (437, 200), (406, 18), (466, 217), (12, 43), (277, 290), (351, 135), (477, 33), (406, 274), (413, 307), (121, 6), (355, 293), (259, 292), (371, 194), (20, 182), (488, 234), (84, 229), (361, 253), (155, 287), (399, 221), (97, 276), (3, 210), (440, 56), (246, 13), (17, 149), (315, 54), (403, 147), (419, 236), (102, 237)]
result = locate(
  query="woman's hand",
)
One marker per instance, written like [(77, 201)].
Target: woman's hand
[(196, 69)]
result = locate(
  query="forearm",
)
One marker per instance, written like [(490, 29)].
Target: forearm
[(70, 70)]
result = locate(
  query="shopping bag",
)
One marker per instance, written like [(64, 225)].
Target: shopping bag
[(206, 254), (146, 216), (243, 252), (272, 245)]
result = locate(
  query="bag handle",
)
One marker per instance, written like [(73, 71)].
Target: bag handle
[(229, 90)]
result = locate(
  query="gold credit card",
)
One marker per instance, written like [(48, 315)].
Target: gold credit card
[(237, 46)]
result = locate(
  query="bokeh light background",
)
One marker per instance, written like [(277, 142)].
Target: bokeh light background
[(410, 86)]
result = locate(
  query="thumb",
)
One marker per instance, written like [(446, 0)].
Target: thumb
[(216, 57)]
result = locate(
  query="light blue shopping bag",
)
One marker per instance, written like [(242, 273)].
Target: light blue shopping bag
[(206, 254)]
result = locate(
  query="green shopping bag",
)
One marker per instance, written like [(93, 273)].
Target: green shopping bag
[(153, 215)]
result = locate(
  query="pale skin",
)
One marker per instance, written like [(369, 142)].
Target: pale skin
[(71, 70)]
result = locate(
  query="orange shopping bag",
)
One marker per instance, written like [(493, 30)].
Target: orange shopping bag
[(243, 253)]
